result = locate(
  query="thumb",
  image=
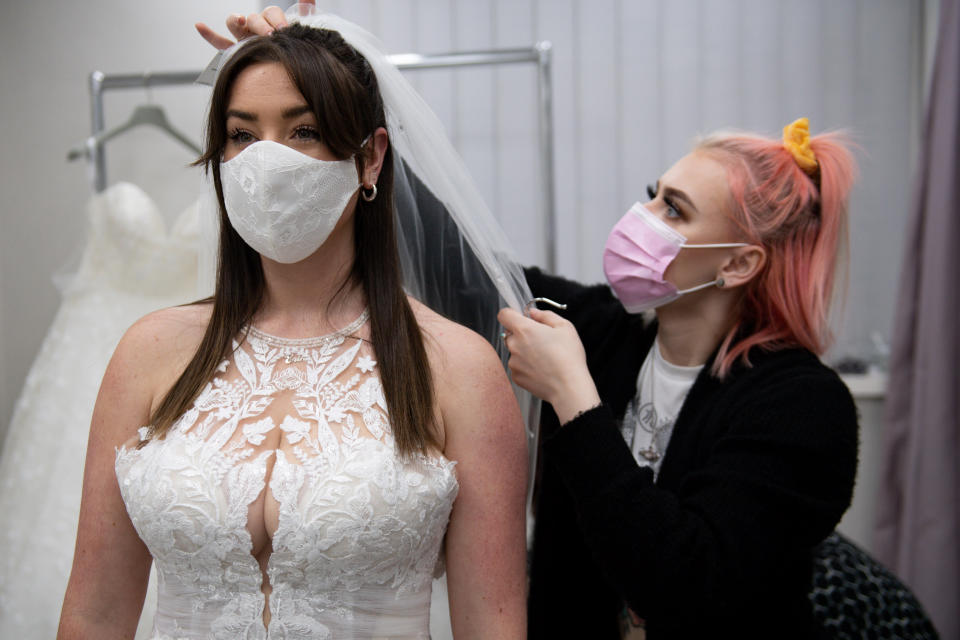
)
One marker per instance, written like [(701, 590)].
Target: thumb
[(509, 318)]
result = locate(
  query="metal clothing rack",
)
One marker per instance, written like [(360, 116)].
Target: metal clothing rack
[(539, 54)]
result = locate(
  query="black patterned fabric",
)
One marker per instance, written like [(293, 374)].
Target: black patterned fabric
[(855, 597)]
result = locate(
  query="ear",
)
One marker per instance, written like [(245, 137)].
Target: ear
[(742, 266), (374, 151)]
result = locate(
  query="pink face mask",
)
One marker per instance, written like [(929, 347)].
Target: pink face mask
[(639, 249)]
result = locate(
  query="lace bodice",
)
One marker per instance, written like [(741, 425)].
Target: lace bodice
[(281, 488)]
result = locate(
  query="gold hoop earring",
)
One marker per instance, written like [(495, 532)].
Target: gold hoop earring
[(372, 194)]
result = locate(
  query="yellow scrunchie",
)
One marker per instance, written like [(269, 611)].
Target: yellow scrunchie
[(796, 138)]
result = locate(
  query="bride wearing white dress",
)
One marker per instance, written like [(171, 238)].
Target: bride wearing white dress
[(302, 453)]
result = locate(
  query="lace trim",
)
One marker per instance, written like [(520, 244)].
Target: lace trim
[(316, 341)]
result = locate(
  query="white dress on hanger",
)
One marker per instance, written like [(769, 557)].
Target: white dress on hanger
[(278, 506), (131, 265)]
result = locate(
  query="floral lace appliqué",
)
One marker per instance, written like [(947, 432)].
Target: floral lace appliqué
[(358, 529)]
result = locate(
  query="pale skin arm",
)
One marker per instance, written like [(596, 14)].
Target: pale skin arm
[(486, 537), (111, 565), (547, 359)]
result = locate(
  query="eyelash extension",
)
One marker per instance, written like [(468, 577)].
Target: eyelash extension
[(651, 192)]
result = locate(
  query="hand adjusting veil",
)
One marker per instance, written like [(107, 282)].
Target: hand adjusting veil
[(455, 257)]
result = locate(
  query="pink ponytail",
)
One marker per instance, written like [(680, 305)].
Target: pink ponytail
[(801, 221)]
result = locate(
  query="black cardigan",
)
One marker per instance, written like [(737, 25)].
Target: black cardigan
[(759, 469)]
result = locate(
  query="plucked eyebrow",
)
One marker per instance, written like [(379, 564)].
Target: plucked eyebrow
[(677, 194), (287, 114), (243, 115), (293, 112)]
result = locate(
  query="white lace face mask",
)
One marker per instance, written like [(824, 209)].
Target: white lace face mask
[(284, 203)]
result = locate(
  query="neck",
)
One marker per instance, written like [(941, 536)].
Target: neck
[(691, 328), (314, 296)]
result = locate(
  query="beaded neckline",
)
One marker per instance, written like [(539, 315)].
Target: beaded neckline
[(316, 341)]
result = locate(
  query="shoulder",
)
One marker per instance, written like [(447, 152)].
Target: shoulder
[(154, 351), (792, 386), (455, 351), (166, 333), (787, 372), (473, 392), (150, 356), (791, 422)]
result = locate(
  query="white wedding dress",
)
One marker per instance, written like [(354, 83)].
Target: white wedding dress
[(278, 505), (131, 265)]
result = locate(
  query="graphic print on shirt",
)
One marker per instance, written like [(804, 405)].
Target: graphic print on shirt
[(648, 420)]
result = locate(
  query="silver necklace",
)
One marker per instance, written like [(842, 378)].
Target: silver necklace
[(647, 417)]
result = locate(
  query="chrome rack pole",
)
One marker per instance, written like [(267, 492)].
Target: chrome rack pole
[(545, 94), (100, 82)]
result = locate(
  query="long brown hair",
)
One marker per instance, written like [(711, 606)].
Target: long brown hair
[(341, 90)]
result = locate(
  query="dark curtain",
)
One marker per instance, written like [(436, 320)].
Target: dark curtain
[(918, 512)]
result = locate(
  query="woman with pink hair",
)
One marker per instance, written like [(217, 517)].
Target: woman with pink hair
[(692, 461)]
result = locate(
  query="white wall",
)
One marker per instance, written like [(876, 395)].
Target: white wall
[(635, 81), (48, 50)]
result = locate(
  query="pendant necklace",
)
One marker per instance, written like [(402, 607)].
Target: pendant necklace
[(647, 417)]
